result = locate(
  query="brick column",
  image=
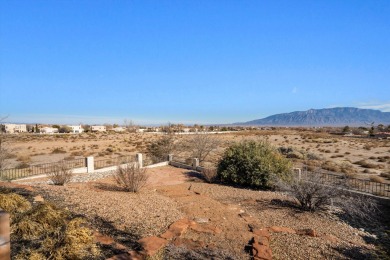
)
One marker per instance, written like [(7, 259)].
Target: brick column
[(5, 244)]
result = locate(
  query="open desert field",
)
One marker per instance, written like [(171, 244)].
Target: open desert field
[(366, 158)]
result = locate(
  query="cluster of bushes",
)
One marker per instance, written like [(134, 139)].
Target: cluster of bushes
[(44, 231)]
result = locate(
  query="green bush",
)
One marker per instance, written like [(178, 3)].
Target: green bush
[(254, 164)]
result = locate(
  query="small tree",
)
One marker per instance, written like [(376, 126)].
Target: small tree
[(131, 177), (255, 164), (160, 149), (201, 145), (61, 174)]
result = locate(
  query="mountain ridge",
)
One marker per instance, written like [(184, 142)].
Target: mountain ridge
[(338, 116)]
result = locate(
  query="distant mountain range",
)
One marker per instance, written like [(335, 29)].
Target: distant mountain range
[(339, 116)]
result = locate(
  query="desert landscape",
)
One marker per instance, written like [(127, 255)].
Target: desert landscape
[(357, 156)]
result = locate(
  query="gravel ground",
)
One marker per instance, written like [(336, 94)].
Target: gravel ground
[(143, 214), (262, 205), (151, 211)]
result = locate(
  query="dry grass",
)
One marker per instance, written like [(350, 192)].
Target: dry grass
[(13, 203), (44, 231), (377, 178)]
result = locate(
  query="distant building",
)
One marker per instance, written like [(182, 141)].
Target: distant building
[(141, 130), (15, 128), (118, 129), (98, 128), (76, 129), (48, 130)]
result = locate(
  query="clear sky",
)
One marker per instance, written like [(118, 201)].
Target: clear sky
[(190, 61)]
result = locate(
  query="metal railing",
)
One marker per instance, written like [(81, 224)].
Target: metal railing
[(38, 169), (361, 185), (107, 162)]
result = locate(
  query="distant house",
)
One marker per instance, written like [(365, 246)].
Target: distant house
[(15, 128), (141, 130), (48, 130), (76, 129), (98, 128), (118, 129)]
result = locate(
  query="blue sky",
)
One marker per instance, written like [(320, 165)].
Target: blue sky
[(190, 61)]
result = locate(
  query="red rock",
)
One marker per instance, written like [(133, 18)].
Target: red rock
[(277, 229), (206, 228), (307, 232), (119, 246), (261, 232), (102, 239), (263, 241), (261, 252), (38, 198), (177, 229), (151, 245), (189, 243)]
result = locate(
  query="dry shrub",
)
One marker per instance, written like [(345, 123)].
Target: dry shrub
[(377, 178), (131, 177), (368, 165), (58, 150), (13, 202), (315, 193), (385, 175), (61, 174), (49, 232), (209, 174)]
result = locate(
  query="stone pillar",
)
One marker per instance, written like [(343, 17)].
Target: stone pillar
[(299, 172), (170, 157), (138, 157), (195, 163), (5, 244), (89, 162)]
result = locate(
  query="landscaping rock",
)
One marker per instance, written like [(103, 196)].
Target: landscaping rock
[(261, 232), (151, 245), (260, 251), (277, 229), (307, 232)]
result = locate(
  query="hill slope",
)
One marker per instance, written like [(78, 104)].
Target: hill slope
[(325, 117)]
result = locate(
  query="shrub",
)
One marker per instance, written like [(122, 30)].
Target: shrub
[(255, 164), (209, 174), (314, 193), (160, 149), (377, 178), (61, 174), (58, 150), (131, 177)]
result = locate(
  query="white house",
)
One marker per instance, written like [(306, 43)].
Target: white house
[(119, 129), (76, 129), (98, 128), (48, 130), (15, 128)]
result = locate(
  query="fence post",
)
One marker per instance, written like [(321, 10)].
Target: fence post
[(89, 162), (138, 157), (170, 157), (5, 244), (299, 171), (195, 163)]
